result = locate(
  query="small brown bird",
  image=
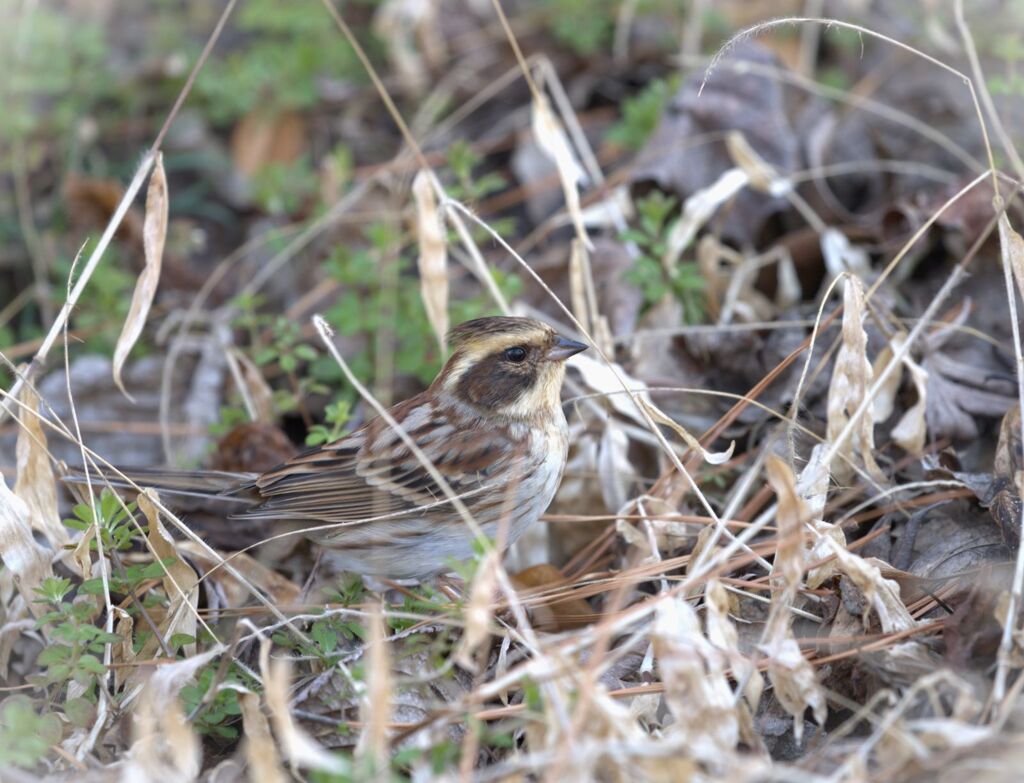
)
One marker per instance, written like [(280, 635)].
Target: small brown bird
[(491, 423)]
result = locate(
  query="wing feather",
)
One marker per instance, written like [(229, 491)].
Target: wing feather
[(371, 475)]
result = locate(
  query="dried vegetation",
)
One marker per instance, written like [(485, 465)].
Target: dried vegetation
[(787, 544)]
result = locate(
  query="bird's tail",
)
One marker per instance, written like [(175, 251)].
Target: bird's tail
[(204, 484)]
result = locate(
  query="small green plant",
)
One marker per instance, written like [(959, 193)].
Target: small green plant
[(471, 188), (25, 734), (219, 716), (641, 112), (99, 315), (285, 49), (76, 644), (366, 306), (336, 416), (114, 521), (285, 188), (648, 273)]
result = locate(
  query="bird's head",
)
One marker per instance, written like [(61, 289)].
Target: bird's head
[(506, 366)]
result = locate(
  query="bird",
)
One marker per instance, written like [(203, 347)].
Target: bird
[(491, 423)]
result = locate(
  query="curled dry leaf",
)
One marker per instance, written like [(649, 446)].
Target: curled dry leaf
[(697, 210), (911, 431), (260, 750), (21, 555), (433, 258), (723, 635), (180, 582), (792, 677), (761, 175), (299, 748), (1011, 245), (154, 233), (711, 457), (883, 594), (165, 747), (36, 484), (397, 22), (841, 256), (551, 138), (696, 689), (851, 378)]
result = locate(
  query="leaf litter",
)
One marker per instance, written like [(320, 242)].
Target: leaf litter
[(833, 589)]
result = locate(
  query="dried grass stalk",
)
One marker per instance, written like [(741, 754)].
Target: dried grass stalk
[(375, 705)]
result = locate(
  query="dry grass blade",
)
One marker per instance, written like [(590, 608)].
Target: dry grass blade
[(433, 257), (154, 234), (36, 484), (790, 673), (375, 707)]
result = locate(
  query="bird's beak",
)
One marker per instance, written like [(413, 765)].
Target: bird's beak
[(564, 348)]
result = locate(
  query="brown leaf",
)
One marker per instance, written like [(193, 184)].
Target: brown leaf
[(27, 561), (552, 613), (154, 234), (264, 137)]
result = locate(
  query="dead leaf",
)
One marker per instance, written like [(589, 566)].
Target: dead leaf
[(264, 137), (792, 676), (28, 561), (551, 138), (36, 484), (851, 378), (180, 582), (551, 613), (154, 233), (433, 257)]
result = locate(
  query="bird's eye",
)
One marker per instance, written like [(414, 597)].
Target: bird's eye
[(515, 354)]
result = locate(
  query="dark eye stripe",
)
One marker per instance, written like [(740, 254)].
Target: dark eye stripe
[(494, 381)]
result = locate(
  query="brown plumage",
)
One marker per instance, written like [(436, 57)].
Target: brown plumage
[(492, 425)]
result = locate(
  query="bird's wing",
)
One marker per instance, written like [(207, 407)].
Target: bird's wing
[(372, 474)]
